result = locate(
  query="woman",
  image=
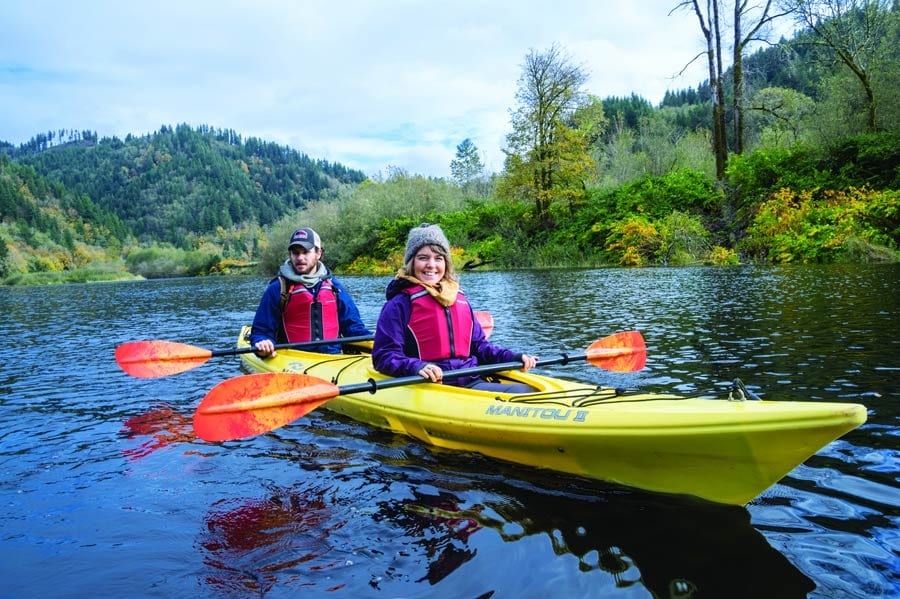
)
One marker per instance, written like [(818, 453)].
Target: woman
[(427, 325)]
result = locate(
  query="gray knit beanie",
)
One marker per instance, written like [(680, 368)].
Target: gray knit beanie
[(424, 234)]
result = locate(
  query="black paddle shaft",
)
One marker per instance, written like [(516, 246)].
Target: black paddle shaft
[(372, 385), (298, 345)]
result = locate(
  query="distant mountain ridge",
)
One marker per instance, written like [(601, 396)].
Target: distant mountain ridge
[(183, 181)]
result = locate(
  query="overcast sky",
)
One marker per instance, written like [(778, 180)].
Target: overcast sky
[(369, 84)]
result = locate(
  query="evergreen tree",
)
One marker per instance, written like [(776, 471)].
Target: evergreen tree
[(467, 167)]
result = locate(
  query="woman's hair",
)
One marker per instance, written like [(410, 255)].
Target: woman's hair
[(449, 272)]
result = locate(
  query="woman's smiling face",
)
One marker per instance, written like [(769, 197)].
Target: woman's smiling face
[(428, 265)]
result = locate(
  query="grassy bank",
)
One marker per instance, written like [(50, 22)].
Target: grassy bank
[(92, 274)]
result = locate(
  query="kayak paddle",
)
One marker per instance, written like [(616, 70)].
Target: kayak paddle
[(253, 404), (153, 359)]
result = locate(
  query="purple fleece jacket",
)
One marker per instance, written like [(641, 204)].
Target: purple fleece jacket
[(394, 350)]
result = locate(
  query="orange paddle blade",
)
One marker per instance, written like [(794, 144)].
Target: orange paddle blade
[(253, 404), (622, 352), (486, 320), (151, 359)]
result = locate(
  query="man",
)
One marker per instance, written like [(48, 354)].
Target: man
[(304, 302)]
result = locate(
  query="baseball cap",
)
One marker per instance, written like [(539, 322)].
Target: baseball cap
[(305, 237)]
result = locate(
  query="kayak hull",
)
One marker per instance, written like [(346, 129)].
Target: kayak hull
[(719, 450)]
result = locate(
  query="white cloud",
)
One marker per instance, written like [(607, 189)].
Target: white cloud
[(365, 83)]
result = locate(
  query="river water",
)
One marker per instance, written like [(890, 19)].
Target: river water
[(106, 492)]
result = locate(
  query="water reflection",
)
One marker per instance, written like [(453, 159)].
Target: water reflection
[(438, 527), (388, 525), (163, 424), (251, 545), (667, 546)]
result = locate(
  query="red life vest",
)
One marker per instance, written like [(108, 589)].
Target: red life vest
[(439, 332), (307, 316)]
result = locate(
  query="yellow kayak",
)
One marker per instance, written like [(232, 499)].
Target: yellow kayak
[(723, 450)]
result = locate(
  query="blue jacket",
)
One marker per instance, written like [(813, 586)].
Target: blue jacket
[(267, 324), (393, 352)]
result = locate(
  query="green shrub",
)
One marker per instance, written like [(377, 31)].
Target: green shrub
[(164, 262), (823, 226), (719, 256)]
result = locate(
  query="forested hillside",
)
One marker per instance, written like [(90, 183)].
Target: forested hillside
[(176, 184), (45, 227), (794, 157)]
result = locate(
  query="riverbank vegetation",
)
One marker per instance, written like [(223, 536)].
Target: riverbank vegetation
[(795, 158)]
